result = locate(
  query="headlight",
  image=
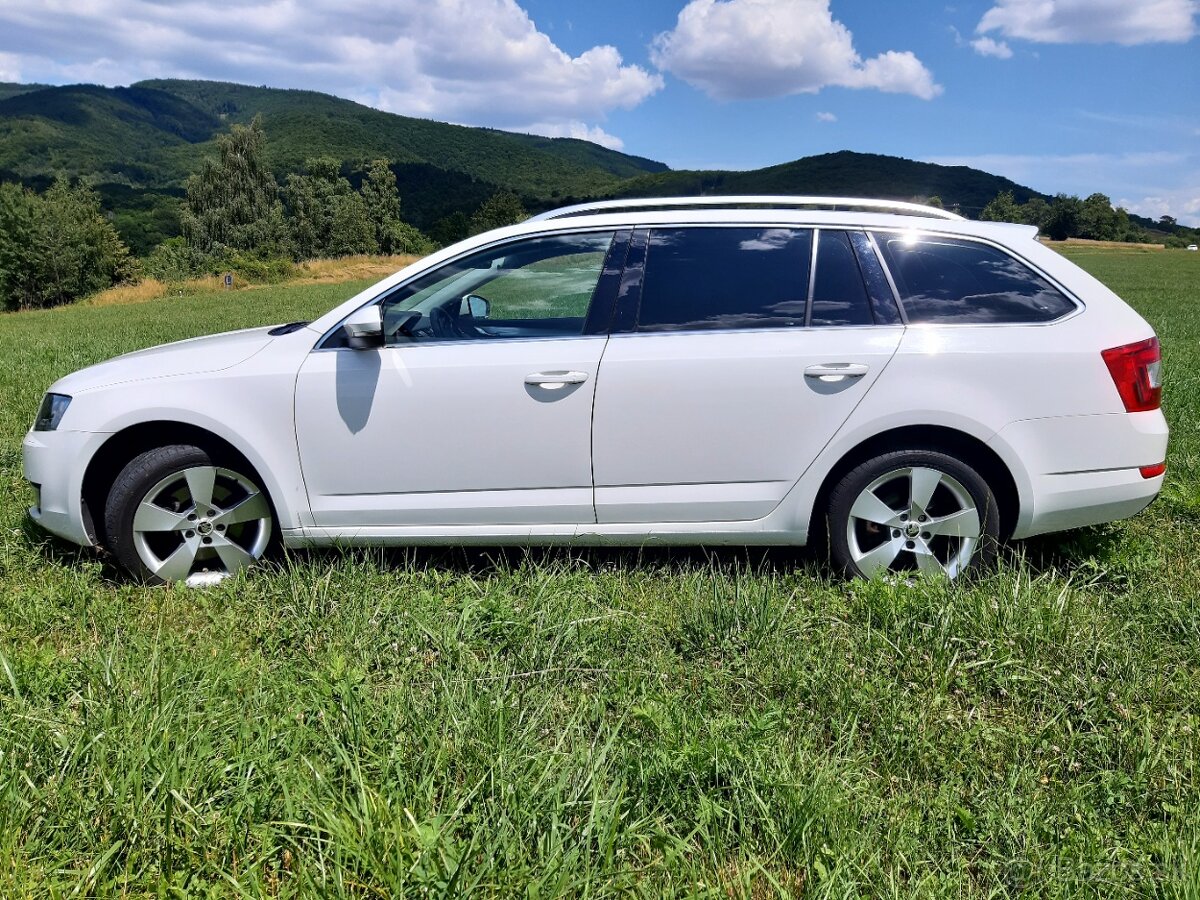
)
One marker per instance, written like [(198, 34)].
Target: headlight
[(51, 411)]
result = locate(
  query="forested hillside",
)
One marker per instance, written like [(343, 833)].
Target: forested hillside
[(843, 174), (137, 146)]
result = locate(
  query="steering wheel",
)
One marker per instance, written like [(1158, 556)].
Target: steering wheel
[(443, 326)]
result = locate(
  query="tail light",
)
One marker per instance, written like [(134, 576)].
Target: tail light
[(1136, 370)]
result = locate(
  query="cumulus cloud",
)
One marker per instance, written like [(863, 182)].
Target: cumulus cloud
[(10, 69), (826, 117), (479, 62), (1183, 205), (1093, 21), (580, 130), (741, 49), (985, 46)]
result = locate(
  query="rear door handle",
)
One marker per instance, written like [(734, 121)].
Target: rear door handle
[(836, 371), (555, 380)]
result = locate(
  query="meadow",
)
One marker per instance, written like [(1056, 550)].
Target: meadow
[(600, 723)]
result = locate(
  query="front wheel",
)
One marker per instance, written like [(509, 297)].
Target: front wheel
[(912, 510), (173, 514)]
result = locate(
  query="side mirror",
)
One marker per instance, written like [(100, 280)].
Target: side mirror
[(475, 306), (364, 328)]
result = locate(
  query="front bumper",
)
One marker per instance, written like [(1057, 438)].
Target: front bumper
[(54, 462)]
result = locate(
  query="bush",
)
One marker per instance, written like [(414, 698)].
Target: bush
[(174, 261), (261, 270), (56, 247)]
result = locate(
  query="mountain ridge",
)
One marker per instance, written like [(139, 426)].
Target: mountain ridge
[(138, 144)]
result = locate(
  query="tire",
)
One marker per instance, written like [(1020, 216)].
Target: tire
[(875, 517), (177, 514)]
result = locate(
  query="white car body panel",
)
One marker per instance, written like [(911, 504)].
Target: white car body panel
[(715, 426), (448, 434), (673, 437)]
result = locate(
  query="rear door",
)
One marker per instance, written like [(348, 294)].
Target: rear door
[(737, 353)]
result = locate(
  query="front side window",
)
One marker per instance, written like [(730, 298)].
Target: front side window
[(724, 278), (538, 288), (946, 280)]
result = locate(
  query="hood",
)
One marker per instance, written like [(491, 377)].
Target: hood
[(190, 357)]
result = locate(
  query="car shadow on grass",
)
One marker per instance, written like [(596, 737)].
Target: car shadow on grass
[(484, 561), (1083, 551), (55, 551)]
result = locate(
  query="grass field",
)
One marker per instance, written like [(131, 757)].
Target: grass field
[(600, 723)]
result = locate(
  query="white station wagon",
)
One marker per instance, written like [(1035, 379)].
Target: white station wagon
[(905, 385)]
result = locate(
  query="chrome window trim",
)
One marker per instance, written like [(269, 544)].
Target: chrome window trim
[(870, 231), (812, 277)]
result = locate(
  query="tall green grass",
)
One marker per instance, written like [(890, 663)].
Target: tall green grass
[(599, 723)]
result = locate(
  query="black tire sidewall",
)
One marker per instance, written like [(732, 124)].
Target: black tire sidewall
[(847, 490)]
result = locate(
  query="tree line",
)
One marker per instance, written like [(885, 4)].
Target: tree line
[(1093, 218), (58, 245)]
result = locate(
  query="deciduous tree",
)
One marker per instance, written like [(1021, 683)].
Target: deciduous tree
[(56, 247), (233, 201)]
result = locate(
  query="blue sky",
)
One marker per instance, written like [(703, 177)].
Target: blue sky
[(1061, 95)]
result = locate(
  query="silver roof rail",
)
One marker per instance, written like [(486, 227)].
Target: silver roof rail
[(730, 202)]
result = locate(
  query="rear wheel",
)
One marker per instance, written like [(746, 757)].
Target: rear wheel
[(176, 514), (912, 511)]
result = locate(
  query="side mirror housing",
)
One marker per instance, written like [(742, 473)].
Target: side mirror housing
[(475, 306), (364, 328)]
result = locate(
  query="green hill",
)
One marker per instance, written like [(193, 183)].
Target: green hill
[(153, 134), (842, 174), (138, 145)]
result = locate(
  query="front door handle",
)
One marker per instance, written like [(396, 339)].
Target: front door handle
[(555, 381), (836, 371)]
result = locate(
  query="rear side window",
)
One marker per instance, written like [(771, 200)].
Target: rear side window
[(945, 280), (839, 295), (722, 278)]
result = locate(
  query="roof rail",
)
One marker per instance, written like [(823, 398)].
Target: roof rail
[(898, 206)]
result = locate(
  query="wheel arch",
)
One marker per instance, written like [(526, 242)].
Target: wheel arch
[(959, 444), (124, 445)]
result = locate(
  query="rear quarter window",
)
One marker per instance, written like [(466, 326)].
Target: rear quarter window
[(950, 281)]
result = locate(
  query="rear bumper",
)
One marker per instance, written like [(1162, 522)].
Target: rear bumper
[(54, 462), (1083, 470)]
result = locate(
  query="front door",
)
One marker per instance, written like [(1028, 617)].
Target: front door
[(477, 410)]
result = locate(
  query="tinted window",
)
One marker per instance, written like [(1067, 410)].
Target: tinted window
[(530, 289), (725, 278), (883, 301), (839, 296), (947, 280)]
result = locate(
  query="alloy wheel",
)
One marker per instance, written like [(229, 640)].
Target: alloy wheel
[(201, 524), (913, 518)]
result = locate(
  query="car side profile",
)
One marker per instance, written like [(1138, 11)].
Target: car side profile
[(906, 385)]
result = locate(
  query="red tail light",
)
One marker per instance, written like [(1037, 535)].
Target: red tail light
[(1136, 370), (1153, 471)]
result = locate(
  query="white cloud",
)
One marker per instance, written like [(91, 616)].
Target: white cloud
[(10, 69), (985, 46), (826, 117), (1183, 205), (1093, 21), (479, 62), (580, 130), (741, 49)]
